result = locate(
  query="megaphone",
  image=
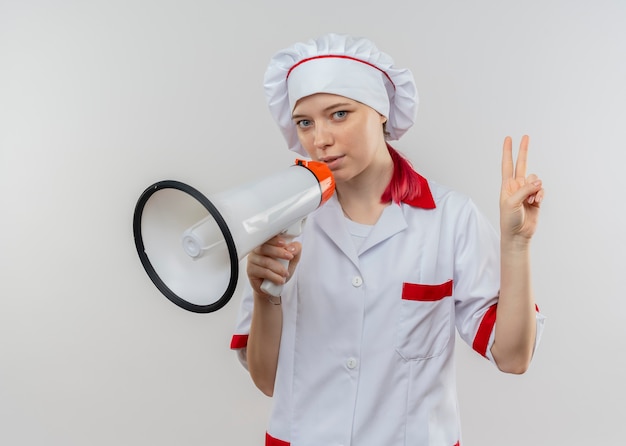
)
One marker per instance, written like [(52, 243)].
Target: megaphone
[(190, 245)]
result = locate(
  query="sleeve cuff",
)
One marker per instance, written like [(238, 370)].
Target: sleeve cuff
[(486, 332), (239, 341)]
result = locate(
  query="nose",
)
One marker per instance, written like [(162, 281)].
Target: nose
[(323, 136)]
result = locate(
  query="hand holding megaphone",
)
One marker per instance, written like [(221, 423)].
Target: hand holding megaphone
[(269, 287), (191, 245)]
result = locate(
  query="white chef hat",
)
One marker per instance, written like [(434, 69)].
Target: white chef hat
[(346, 66)]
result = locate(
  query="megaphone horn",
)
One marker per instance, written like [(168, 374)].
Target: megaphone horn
[(190, 245)]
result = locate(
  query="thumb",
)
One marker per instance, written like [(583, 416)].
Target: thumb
[(294, 248)]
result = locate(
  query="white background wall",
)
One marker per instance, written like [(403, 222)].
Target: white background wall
[(99, 99)]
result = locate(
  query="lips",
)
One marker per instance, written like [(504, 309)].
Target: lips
[(332, 161)]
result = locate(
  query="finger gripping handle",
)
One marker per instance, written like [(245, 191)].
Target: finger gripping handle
[(271, 288)]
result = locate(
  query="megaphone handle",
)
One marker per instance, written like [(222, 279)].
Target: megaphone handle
[(292, 231), (270, 287)]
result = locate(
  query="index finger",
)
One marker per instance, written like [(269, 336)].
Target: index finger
[(507, 159)]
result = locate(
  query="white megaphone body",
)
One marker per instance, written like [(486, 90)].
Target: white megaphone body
[(191, 245)]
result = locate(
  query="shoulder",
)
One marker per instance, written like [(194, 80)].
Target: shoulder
[(453, 209), (447, 198)]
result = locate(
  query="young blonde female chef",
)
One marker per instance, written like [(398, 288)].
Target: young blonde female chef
[(358, 351)]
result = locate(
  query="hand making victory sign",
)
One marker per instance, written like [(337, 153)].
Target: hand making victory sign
[(521, 195)]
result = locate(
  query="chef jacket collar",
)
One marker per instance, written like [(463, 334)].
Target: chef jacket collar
[(424, 198)]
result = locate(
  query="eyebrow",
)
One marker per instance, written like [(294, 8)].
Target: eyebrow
[(325, 110)]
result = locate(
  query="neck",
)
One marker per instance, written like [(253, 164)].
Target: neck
[(360, 198)]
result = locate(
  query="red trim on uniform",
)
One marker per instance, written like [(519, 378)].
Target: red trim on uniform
[(426, 293), (425, 198), (458, 443), (271, 441), (239, 341), (481, 341), (339, 56)]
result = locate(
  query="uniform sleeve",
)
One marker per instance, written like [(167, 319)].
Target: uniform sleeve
[(239, 341), (477, 281)]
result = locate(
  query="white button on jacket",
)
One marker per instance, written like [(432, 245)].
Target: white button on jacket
[(351, 363)]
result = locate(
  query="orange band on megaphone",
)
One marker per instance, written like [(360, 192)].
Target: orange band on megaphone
[(324, 177)]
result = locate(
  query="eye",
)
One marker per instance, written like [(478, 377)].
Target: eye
[(341, 114), (303, 123)]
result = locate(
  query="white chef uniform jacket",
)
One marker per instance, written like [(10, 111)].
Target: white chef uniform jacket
[(367, 348)]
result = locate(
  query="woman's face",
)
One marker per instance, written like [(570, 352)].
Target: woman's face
[(345, 134)]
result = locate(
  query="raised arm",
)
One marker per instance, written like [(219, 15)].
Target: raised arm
[(520, 201)]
